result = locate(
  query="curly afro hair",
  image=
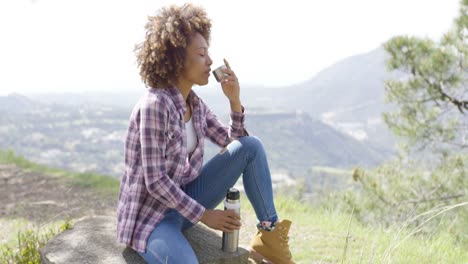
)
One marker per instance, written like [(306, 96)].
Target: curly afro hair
[(161, 55)]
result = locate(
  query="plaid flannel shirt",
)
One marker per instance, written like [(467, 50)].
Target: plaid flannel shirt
[(157, 164)]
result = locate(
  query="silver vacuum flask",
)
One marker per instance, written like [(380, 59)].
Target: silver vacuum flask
[(231, 239)]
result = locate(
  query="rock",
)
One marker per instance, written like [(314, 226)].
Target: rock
[(207, 246), (93, 240)]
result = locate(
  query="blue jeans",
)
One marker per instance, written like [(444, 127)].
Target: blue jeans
[(245, 156)]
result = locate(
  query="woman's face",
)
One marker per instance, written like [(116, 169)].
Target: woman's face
[(197, 62)]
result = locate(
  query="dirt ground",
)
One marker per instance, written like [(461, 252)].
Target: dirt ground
[(42, 198)]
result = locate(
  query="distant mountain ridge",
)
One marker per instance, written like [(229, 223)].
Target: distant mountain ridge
[(16, 103), (345, 84)]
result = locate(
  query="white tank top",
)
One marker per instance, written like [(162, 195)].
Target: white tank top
[(191, 136)]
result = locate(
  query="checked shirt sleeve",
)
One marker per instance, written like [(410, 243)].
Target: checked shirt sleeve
[(222, 135), (154, 115)]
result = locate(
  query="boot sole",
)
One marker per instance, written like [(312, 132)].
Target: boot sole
[(258, 257)]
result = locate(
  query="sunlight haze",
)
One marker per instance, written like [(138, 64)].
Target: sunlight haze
[(74, 46)]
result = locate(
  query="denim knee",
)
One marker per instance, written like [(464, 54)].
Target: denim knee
[(159, 252), (252, 143)]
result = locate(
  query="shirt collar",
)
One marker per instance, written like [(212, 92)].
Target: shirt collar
[(193, 98), (179, 99)]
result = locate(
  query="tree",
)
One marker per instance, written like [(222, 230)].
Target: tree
[(431, 111), (432, 95)]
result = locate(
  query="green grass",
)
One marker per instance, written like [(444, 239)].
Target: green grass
[(24, 248), (320, 235), (317, 234)]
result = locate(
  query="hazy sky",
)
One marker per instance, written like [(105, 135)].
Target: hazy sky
[(82, 45)]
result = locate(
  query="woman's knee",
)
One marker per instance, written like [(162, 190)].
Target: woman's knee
[(167, 244), (157, 251), (251, 142), (162, 251)]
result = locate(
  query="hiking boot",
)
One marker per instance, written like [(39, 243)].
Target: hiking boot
[(272, 246)]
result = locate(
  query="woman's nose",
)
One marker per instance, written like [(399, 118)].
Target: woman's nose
[(209, 61)]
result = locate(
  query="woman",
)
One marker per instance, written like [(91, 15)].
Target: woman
[(165, 188)]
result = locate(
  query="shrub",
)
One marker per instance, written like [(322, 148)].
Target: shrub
[(29, 243), (426, 198)]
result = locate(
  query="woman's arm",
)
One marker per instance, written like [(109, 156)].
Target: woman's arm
[(222, 135), (216, 131), (154, 117)]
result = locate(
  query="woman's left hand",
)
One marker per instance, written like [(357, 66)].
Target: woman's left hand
[(230, 85)]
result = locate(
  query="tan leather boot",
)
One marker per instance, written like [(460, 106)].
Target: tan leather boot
[(272, 246)]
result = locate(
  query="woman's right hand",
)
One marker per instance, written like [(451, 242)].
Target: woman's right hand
[(223, 220)]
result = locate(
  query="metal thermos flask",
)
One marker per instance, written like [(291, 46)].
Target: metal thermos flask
[(232, 202)]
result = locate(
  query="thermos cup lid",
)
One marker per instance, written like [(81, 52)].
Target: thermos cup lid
[(233, 194)]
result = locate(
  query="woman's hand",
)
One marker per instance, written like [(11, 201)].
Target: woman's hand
[(231, 89), (223, 220)]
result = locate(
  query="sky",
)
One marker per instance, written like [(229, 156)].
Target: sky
[(87, 45)]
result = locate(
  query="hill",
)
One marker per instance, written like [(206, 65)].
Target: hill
[(89, 137), (317, 235)]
